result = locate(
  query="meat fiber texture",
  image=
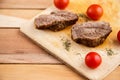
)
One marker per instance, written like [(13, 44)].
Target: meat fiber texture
[(91, 33), (56, 21)]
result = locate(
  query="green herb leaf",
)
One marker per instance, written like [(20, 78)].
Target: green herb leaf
[(66, 44), (110, 52)]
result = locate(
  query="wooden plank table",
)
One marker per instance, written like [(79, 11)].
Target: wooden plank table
[(17, 48)]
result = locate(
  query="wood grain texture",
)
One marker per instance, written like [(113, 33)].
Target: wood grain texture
[(31, 71), (21, 13), (11, 22), (16, 48), (51, 41), (14, 18), (25, 4), (44, 72)]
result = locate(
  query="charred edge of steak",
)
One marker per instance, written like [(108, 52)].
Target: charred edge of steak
[(91, 43), (88, 39)]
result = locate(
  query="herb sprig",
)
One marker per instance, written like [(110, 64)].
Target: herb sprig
[(110, 52), (66, 44)]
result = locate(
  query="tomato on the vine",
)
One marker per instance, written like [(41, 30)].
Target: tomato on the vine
[(94, 11), (118, 35), (61, 4), (93, 60)]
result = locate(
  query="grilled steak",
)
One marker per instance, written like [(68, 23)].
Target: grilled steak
[(56, 21), (46, 21), (91, 33)]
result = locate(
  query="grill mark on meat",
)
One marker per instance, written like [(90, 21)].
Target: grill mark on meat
[(91, 33)]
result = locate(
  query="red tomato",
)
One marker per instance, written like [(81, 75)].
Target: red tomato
[(94, 11), (61, 4), (118, 35), (93, 60)]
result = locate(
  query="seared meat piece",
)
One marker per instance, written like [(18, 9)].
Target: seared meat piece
[(46, 21), (69, 19), (91, 33), (56, 21)]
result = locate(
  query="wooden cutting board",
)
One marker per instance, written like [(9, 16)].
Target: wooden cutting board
[(54, 42), (10, 22)]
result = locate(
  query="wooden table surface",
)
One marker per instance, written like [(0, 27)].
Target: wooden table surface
[(17, 48)]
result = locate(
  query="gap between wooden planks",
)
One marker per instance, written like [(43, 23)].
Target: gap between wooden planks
[(17, 48)]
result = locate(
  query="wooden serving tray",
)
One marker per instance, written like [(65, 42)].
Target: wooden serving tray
[(54, 42)]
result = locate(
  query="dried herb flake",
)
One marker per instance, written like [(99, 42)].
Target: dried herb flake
[(110, 52), (66, 44)]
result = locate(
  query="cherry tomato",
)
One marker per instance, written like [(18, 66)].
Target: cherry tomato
[(118, 35), (61, 4), (94, 11), (93, 60)]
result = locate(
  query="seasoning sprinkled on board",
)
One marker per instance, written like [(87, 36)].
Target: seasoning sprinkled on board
[(110, 52), (66, 44)]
